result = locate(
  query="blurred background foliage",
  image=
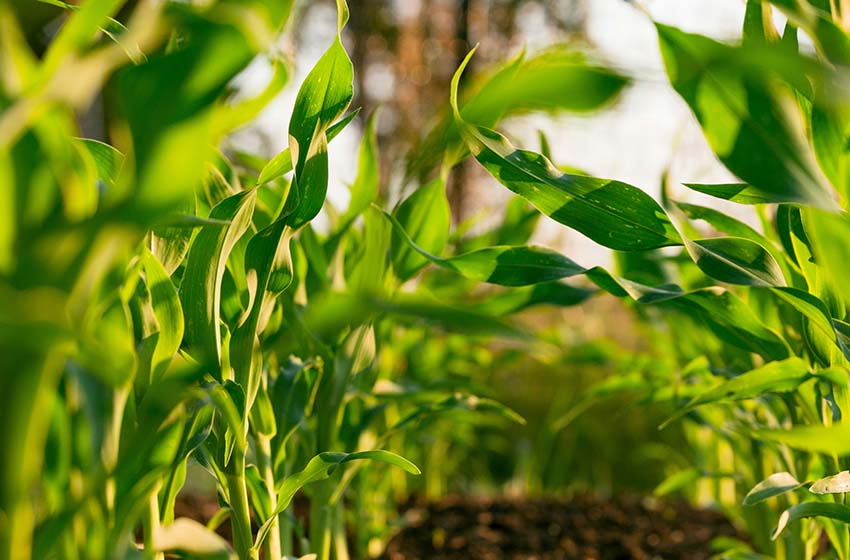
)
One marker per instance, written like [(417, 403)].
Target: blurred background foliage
[(404, 53)]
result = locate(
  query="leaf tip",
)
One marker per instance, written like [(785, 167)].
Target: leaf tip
[(456, 80)]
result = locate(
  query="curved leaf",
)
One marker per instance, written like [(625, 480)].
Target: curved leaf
[(741, 193), (774, 377), (612, 213), (321, 467), (833, 439), (756, 133), (832, 510), (774, 485), (324, 96), (425, 218), (200, 289), (835, 484), (736, 260), (168, 312), (281, 164), (557, 79)]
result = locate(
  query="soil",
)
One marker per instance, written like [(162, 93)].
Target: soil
[(582, 528)]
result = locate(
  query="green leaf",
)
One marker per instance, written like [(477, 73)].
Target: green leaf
[(321, 467), (737, 323), (774, 485), (839, 512), (323, 98), (425, 218), (458, 402), (364, 190), (722, 222), (229, 117), (514, 266), (758, 24), (681, 479), (281, 164), (736, 260), (829, 37), (548, 293), (268, 268), (107, 160), (556, 79), (741, 193), (756, 133), (335, 312), (735, 228), (200, 289), (828, 234), (820, 332), (775, 377), (612, 213), (79, 31), (172, 135), (168, 312), (835, 484), (369, 272), (507, 266), (829, 133), (833, 439)]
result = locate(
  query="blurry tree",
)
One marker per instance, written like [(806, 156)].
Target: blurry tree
[(407, 51)]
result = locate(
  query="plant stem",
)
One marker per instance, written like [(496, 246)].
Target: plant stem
[(151, 525), (240, 517), (340, 542), (272, 544), (321, 525), (286, 536)]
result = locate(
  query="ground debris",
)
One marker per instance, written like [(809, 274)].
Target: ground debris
[(546, 529)]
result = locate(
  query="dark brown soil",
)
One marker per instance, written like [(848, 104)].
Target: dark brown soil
[(582, 528)]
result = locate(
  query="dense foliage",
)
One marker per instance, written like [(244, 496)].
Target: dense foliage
[(165, 303)]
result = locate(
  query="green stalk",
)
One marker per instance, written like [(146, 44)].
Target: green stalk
[(150, 526), (340, 542), (240, 517), (272, 545), (25, 398), (286, 534), (321, 524)]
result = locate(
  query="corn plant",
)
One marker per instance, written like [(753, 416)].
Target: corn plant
[(120, 362), (166, 303), (758, 317)]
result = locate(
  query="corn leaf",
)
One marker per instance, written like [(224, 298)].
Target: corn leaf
[(612, 213), (775, 377), (839, 512), (774, 485), (281, 164), (321, 467), (200, 289), (424, 216), (756, 133), (323, 98), (736, 260), (741, 193), (833, 439)]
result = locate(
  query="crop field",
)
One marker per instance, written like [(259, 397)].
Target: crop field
[(204, 356)]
